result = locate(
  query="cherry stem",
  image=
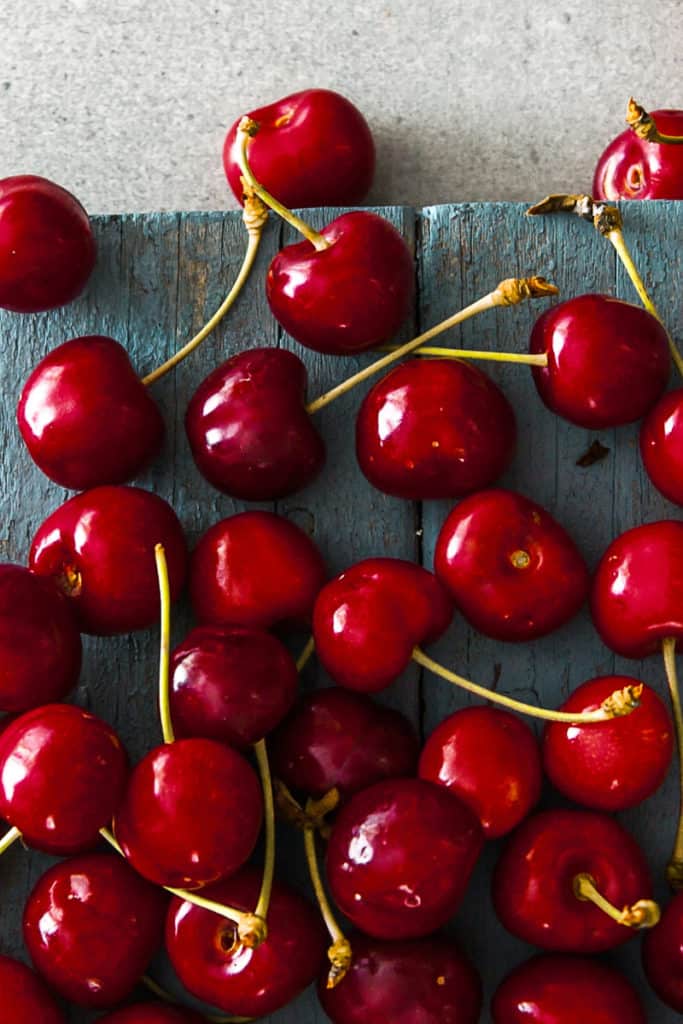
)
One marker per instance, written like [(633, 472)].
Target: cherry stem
[(674, 870), (339, 953), (527, 359), (255, 216), (263, 902), (643, 124), (291, 811), (8, 839), (621, 702), (510, 292), (156, 989), (164, 644), (306, 654), (642, 914), (246, 130)]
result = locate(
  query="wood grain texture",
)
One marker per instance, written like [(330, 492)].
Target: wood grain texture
[(160, 276)]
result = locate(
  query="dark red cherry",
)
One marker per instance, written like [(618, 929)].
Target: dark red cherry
[(247, 982), (434, 428), (661, 445), (608, 360), (62, 776), (249, 432), (632, 168), (86, 417), (24, 996), (367, 621), (255, 570), (400, 856), (152, 1013), (99, 547), (349, 297), (339, 739), (40, 646), (663, 955), (91, 926), (557, 989), (313, 148), (512, 570), (615, 764), (47, 249), (502, 786), (423, 981)]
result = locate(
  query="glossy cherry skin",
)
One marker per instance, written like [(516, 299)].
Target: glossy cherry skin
[(255, 570), (661, 445), (512, 570), (637, 597), (501, 787), (349, 297), (560, 989), (24, 996), (232, 685), (663, 954), (434, 428), (191, 814), (423, 981), (313, 148), (400, 856), (367, 621), (40, 646), (86, 417), (338, 739), (246, 982), (47, 248), (631, 168), (611, 765), (533, 881), (153, 1013), (608, 360), (91, 926), (99, 548)]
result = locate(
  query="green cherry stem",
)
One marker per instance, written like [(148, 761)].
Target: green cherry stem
[(643, 124), (306, 654), (164, 645), (642, 914), (8, 839), (674, 870), (339, 953), (263, 902), (524, 358)]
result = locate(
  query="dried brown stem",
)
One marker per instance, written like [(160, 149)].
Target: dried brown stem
[(643, 124)]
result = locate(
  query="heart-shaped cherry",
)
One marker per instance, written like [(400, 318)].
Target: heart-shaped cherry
[(47, 248), (153, 1013), (24, 996), (663, 955), (661, 445), (634, 168)]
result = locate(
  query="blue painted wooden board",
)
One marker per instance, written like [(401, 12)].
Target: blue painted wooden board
[(158, 278)]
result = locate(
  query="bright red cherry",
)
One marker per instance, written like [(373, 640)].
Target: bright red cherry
[(400, 856), (502, 787), (255, 570), (632, 168), (40, 646), (153, 1013), (91, 926), (512, 570), (86, 417), (663, 955), (313, 148), (367, 621), (608, 360), (24, 996), (248, 429), (615, 764), (62, 776), (661, 445), (47, 248), (99, 547), (213, 966)]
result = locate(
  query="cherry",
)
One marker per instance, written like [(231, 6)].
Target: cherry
[(502, 787), (47, 248), (91, 926), (663, 955), (557, 989), (99, 547), (313, 148), (661, 445), (24, 996), (512, 570), (400, 856), (215, 967), (40, 646), (633, 168), (153, 1013), (255, 570)]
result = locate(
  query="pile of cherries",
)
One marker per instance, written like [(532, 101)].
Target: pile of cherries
[(402, 824)]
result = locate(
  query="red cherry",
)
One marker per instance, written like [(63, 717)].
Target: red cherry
[(615, 764), (661, 445), (62, 776), (40, 646), (502, 787), (247, 982), (86, 417), (24, 996), (99, 547), (663, 955), (47, 249), (400, 856), (512, 570), (91, 926), (248, 429), (367, 621), (608, 360), (313, 148), (555, 989), (255, 570), (632, 168), (153, 1013), (350, 296)]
